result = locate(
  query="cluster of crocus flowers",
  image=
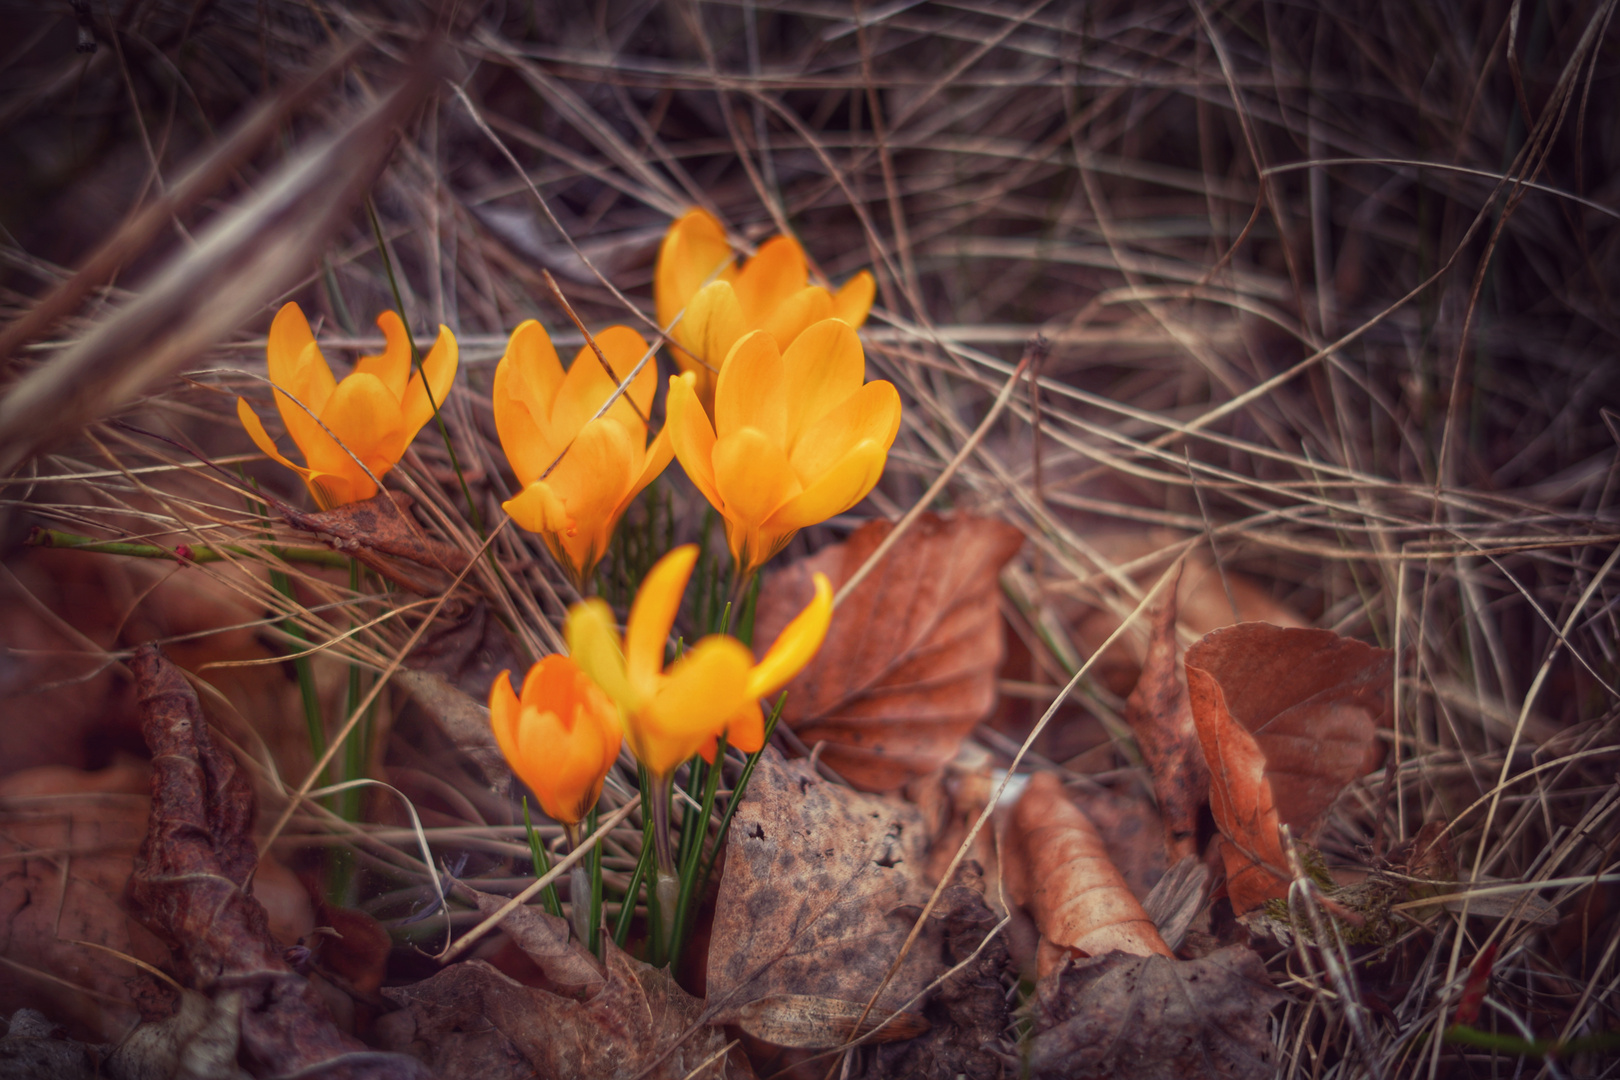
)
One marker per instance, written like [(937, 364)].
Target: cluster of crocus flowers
[(798, 436), (722, 301), (578, 471), (561, 735), (351, 432)]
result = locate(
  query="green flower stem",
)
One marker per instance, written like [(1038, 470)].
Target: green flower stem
[(690, 896), (595, 860), (737, 794), (666, 886), (540, 864), (579, 889), (199, 553), (627, 909)]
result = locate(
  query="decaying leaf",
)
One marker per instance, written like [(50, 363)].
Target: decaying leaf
[(1153, 1016), (34, 1048), (67, 846), (1162, 722), (381, 533), (470, 1022), (199, 1042), (568, 969), (1079, 901), (909, 664), (1287, 718), (190, 888), (809, 905), (806, 1022)]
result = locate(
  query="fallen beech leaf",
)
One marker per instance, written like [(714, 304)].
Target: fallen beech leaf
[(1287, 718), (33, 1048), (199, 1042), (808, 905), (1078, 899), (470, 1022), (806, 1022), (568, 969), (380, 532), (189, 887), (67, 846), (1123, 1015), (909, 664), (1162, 721)]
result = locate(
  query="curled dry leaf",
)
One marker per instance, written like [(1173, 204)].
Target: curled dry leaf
[(190, 888), (470, 1022), (816, 880), (566, 968), (381, 533), (909, 664), (1078, 899), (1122, 1015), (1162, 721), (1287, 718)]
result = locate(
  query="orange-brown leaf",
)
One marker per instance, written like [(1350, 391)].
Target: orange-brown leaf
[(1287, 718), (1078, 899), (1161, 719), (909, 664)]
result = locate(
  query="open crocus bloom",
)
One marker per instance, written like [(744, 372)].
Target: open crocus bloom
[(560, 737), (351, 432), (542, 414), (713, 690), (796, 436), (770, 292)]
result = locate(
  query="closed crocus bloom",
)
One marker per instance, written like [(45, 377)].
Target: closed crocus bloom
[(713, 690), (561, 736), (797, 436), (540, 412), (362, 425), (722, 301)]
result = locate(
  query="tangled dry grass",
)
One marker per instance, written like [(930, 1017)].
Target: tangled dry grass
[(1329, 292)]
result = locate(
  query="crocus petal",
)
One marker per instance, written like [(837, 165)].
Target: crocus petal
[(439, 365), (751, 391), (656, 459), (753, 476), (871, 414), (393, 364), (823, 366), (333, 489), (852, 302), (587, 385), (305, 375), (691, 435), (745, 731), (838, 489), (712, 324), (767, 280), (297, 401), (804, 308), (701, 692), (693, 251), (591, 480), (593, 644), (504, 710), (526, 381), (796, 645), (364, 418), (539, 509), (653, 613), (261, 438)]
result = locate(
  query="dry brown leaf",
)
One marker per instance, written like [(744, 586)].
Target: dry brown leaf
[(567, 968), (1078, 899), (1152, 1016), (1287, 718), (909, 664), (1161, 719), (816, 880), (470, 1022), (189, 887), (806, 1022), (381, 533)]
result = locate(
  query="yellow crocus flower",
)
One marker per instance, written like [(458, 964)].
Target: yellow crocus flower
[(543, 414), (351, 432), (561, 736), (770, 292), (797, 437), (714, 689)]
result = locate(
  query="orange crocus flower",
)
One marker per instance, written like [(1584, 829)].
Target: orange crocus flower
[(797, 437), (543, 415), (560, 737), (351, 432), (770, 292), (714, 689)]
